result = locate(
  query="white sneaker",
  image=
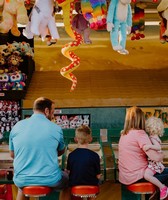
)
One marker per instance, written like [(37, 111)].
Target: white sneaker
[(123, 52), (28, 35), (117, 48)]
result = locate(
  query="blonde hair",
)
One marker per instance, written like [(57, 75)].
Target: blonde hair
[(83, 134), (154, 126), (134, 119)]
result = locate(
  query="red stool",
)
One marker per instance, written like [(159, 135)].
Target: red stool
[(3, 192), (85, 191), (36, 191), (142, 188)]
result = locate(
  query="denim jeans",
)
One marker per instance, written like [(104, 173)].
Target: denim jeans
[(163, 177)]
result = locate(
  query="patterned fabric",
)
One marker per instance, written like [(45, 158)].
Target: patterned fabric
[(153, 165), (156, 166)]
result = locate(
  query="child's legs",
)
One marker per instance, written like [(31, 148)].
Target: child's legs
[(163, 177), (149, 176)]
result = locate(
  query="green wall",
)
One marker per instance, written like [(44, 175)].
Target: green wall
[(100, 118)]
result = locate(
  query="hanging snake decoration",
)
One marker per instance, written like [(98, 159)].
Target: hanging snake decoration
[(67, 49)]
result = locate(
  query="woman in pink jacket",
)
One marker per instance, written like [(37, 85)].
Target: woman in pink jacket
[(133, 159)]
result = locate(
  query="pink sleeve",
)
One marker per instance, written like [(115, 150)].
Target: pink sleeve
[(143, 139)]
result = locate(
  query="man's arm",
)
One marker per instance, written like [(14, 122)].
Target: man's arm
[(61, 152), (11, 154)]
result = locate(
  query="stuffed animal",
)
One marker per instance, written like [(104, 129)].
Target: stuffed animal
[(23, 48), (73, 120), (95, 12), (86, 120), (163, 12), (14, 11), (65, 122), (80, 24), (58, 120), (163, 38), (119, 20), (4, 82), (14, 61), (7, 117), (2, 64), (20, 48), (80, 121), (4, 50), (42, 21), (17, 80), (138, 25)]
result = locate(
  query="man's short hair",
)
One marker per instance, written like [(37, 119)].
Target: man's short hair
[(41, 103)]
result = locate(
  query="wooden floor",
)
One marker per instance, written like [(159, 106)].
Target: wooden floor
[(105, 78), (110, 191)]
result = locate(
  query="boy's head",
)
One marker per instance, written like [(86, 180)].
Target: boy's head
[(154, 126), (83, 135)]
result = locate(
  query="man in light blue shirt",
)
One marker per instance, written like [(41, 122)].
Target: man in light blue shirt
[(35, 144)]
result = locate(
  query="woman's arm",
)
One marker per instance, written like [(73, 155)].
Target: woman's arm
[(11, 154), (155, 155), (155, 144), (152, 146)]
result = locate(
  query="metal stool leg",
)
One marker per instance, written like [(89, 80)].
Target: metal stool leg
[(142, 196)]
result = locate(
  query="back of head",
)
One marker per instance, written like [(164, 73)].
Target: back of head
[(41, 104), (134, 119), (154, 126), (83, 134)]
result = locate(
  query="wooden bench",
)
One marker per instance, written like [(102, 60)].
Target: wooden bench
[(94, 147), (6, 161), (165, 152)]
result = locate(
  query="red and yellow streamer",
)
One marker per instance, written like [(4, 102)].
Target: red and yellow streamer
[(67, 50)]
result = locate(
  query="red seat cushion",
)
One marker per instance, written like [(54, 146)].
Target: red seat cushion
[(36, 190), (84, 190), (142, 188)]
